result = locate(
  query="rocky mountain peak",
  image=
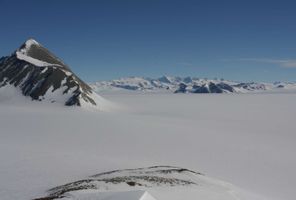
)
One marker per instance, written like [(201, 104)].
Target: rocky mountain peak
[(34, 53), (41, 75)]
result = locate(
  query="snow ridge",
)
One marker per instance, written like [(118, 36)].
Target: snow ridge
[(155, 179)]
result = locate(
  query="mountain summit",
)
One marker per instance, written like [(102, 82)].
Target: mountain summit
[(41, 75), (33, 52)]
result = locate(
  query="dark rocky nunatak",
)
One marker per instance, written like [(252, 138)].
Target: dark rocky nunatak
[(142, 178), (38, 73)]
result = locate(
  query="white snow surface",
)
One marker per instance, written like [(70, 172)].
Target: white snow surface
[(247, 140), (197, 186), (13, 95), (123, 195)]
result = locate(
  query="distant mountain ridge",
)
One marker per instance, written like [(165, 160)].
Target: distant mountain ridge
[(39, 74), (187, 85)]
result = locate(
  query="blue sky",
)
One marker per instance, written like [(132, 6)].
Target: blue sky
[(237, 40)]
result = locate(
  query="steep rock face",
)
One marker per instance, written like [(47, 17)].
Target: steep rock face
[(42, 76), (182, 88)]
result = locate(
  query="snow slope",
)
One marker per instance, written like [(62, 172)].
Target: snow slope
[(161, 181), (123, 195), (247, 140)]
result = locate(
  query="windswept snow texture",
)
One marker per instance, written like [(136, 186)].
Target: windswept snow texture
[(161, 181), (38, 74), (247, 140), (94, 195), (189, 85)]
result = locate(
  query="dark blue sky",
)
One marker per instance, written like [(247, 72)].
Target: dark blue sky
[(238, 40)]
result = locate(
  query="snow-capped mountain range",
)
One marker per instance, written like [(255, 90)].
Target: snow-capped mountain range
[(37, 73), (187, 85)]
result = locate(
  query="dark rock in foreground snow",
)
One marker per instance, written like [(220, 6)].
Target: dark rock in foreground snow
[(150, 177)]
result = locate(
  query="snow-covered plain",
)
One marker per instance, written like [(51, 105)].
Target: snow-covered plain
[(246, 139)]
